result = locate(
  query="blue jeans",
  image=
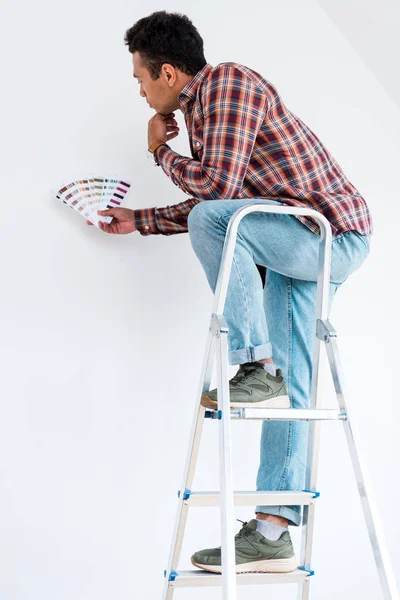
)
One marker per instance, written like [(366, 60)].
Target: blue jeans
[(275, 320)]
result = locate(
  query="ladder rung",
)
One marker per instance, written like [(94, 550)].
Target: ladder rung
[(282, 414), (242, 498), (205, 578)]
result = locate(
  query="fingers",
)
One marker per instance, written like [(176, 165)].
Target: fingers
[(170, 136), (104, 227), (108, 212), (172, 127)]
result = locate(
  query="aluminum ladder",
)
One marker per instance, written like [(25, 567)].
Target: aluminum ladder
[(227, 498)]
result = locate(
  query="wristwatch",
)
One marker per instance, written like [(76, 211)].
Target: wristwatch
[(151, 151)]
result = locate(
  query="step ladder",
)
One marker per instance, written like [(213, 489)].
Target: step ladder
[(227, 498)]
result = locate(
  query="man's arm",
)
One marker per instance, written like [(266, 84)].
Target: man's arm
[(234, 110), (167, 220)]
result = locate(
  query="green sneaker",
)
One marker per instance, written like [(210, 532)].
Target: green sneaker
[(252, 387), (254, 553)]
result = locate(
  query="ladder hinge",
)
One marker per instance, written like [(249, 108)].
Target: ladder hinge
[(218, 325), (186, 494), (316, 494), (172, 576), (325, 330), (310, 571)]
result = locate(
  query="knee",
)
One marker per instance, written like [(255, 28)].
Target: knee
[(202, 216), (196, 215), (200, 222)]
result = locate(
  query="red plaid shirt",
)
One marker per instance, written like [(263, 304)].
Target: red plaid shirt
[(246, 143)]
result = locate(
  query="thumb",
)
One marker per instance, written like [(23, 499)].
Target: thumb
[(110, 211)]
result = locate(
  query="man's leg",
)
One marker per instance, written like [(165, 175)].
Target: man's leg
[(290, 309), (248, 338), (289, 251)]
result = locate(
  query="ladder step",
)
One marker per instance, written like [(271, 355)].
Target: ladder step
[(205, 578), (281, 414), (242, 498)]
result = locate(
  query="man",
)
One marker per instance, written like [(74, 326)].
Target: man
[(247, 145)]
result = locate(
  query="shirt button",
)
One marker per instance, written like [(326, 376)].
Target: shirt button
[(146, 227), (197, 143)]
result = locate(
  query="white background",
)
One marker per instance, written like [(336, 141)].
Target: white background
[(102, 337)]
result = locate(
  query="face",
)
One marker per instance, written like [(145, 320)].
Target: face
[(161, 94)]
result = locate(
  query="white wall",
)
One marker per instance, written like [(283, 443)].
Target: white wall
[(103, 336), (372, 28)]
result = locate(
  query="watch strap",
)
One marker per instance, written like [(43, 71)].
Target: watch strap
[(155, 145)]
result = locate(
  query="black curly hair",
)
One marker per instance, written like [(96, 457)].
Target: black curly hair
[(164, 37)]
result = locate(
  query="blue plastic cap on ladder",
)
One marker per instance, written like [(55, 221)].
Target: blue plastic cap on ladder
[(310, 571), (172, 576), (186, 494), (212, 414), (316, 494)]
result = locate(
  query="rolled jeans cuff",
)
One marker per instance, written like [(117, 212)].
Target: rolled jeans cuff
[(250, 354), (289, 513)]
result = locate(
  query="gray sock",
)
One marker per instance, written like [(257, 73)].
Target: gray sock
[(271, 531), (270, 368)]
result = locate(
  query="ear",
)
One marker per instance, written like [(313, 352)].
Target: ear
[(169, 73)]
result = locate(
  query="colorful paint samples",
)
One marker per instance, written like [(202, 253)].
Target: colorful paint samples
[(92, 193)]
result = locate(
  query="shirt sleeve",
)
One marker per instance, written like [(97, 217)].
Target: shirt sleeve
[(167, 220), (234, 109)]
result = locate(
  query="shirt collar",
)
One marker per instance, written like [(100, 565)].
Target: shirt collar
[(190, 90)]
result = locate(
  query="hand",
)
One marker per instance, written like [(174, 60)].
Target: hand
[(162, 127), (123, 221)]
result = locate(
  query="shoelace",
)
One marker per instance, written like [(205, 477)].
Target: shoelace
[(245, 531), (244, 372)]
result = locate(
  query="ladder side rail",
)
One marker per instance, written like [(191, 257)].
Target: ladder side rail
[(227, 514), (364, 485), (322, 303), (314, 427), (190, 465)]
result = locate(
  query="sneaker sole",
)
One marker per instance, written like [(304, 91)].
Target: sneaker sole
[(277, 402), (274, 565)]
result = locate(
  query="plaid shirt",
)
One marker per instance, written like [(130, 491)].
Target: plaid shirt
[(246, 143)]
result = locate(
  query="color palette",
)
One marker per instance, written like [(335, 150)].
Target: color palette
[(93, 193)]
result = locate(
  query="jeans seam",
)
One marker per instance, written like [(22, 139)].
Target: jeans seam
[(248, 348), (290, 350), (290, 337), (288, 451)]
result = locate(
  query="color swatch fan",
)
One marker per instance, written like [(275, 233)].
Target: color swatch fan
[(90, 194)]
